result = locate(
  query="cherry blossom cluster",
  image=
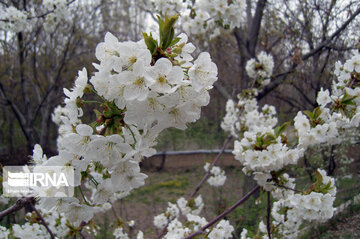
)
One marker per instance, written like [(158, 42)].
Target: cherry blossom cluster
[(58, 11), (338, 114), (264, 150), (13, 20), (315, 205), (245, 116), (119, 232), (289, 212), (139, 89), (189, 210), (260, 68), (16, 20), (170, 7), (173, 211), (34, 228), (204, 16), (217, 177), (259, 146)]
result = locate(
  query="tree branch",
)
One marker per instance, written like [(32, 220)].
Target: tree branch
[(253, 31), (278, 79), (57, 77), (20, 203), (226, 212), (335, 34), (42, 220), (19, 116)]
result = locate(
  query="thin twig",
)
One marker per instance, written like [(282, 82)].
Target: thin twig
[(227, 211), (288, 188), (207, 175), (164, 230), (114, 211), (42, 220)]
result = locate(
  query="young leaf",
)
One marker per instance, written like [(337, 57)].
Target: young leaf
[(309, 114), (167, 31), (174, 41), (317, 112), (280, 129), (150, 42)]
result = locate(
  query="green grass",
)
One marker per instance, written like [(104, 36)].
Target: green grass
[(151, 192)]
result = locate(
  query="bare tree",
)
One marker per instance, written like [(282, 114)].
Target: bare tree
[(306, 38), (37, 65)]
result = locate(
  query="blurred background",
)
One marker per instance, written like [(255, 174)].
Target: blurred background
[(305, 37)]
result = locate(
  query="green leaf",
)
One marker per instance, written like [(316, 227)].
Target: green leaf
[(319, 177), (161, 25), (280, 129), (150, 42), (97, 113), (167, 31), (94, 124), (309, 114), (348, 99), (317, 112), (174, 41)]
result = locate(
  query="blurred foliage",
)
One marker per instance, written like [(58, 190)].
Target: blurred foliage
[(204, 134)]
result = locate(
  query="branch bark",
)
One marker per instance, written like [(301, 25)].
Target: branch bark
[(20, 203), (253, 31)]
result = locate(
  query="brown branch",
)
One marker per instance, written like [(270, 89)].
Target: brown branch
[(278, 79), (293, 103), (226, 212), (304, 95), (253, 31), (164, 230), (114, 211), (42, 220), (20, 203)]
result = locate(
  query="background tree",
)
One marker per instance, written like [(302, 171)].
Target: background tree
[(38, 63)]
